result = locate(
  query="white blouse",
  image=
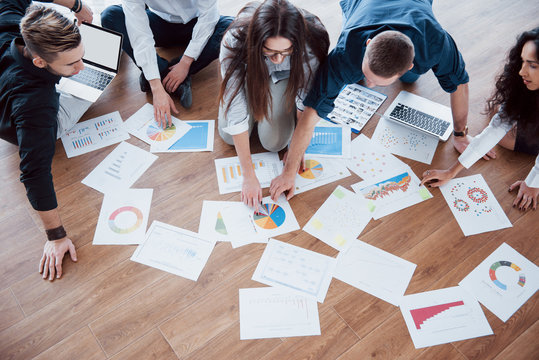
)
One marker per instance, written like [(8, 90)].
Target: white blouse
[(485, 141)]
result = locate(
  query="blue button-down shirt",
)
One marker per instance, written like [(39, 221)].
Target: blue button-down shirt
[(363, 19)]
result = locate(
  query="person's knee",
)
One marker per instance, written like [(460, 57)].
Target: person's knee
[(111, 16)]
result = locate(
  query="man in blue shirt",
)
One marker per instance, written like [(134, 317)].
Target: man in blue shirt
[(381, 42)]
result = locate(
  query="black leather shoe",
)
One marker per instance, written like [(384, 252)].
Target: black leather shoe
[(184, 93), (144, 84)]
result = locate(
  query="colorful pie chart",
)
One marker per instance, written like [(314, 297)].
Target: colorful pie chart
[(492, 273), (125, 230), (156, 133), (269, 216), (313, 169)]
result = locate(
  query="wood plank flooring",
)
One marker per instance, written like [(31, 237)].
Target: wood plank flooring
[(108, 307)]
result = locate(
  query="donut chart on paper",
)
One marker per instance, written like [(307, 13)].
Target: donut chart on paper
[(112, 220), (269, 216), (498, 283), (156, 133), (313, 169)]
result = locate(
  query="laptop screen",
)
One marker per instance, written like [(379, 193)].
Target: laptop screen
[(101, 46)]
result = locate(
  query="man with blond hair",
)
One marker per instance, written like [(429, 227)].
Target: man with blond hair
[(38, 46), (381, 42)]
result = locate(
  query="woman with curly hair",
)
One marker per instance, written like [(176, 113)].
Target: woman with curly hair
[(515, 122), (269, 56)]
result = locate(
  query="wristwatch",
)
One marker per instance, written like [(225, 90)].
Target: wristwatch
[(461, 133)]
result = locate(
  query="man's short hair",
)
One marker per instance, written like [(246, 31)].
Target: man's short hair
[(46, 32), (390, 53)]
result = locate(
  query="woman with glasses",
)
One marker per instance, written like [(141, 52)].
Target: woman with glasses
[(515, 122), (268, 57)]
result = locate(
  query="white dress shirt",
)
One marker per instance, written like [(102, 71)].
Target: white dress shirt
[(237, 116), (485, 141), (140, 33)]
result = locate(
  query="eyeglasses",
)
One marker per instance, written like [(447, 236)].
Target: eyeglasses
[(272, 54)]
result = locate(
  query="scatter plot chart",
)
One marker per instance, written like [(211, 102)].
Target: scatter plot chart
[(405, 141), (443, 316), (473, 205), (503, 282), (370, 161)]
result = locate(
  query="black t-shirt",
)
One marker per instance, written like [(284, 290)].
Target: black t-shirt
[(28, 108)]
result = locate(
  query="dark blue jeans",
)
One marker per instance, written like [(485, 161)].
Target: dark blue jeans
[(168, 34)]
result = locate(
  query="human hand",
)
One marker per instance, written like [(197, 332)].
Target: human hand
[(251, 192), (84, 15), (461, 143), (53, 255), (177, 74), (283, 183), (526, 196), (162, 106), (436, 178)]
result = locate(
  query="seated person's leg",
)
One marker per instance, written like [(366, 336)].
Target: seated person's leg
[(409, 77), (70, 111), (276, 133)]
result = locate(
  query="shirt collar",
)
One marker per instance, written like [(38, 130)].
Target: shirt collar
[(27, 64)]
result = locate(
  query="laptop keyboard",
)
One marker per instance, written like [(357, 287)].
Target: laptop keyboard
[(420, 120), (94, 78)]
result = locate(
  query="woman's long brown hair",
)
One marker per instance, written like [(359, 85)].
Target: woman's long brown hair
[(257, 22)]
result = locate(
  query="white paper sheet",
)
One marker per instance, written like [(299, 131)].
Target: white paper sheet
[(340, 219), (211, 223), (474, 205), (123, 217), (94, 134), (374, 271), (330, 140), (392, 194), (270, 312), (199, 138), (443, 316), (229, 173), (142, 124), (177, 251), (405, 141), (355, 105), (306, 272), (270, 219), (120, 169), (503, 282), (318, 172), (371, 161)]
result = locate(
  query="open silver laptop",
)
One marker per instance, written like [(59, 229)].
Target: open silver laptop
[(102, 50), (421, 114)]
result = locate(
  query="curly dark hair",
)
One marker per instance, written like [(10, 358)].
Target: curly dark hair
[(511, 97)]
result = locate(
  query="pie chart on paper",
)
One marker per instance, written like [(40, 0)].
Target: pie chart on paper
[(269, 216), (156, 133), (313, 169)]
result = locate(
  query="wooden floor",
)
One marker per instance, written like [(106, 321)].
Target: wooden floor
[(107, 306)]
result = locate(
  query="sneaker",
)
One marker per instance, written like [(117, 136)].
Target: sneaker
[(184, 93), (144, 84)]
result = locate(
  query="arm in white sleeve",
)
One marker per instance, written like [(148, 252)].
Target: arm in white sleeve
[(204, 28), (532, 180), (485, 141), (141, 37), (237, 115), (302, 93)]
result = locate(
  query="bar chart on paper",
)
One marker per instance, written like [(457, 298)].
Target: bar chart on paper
[(230, 174), (94, 134)]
